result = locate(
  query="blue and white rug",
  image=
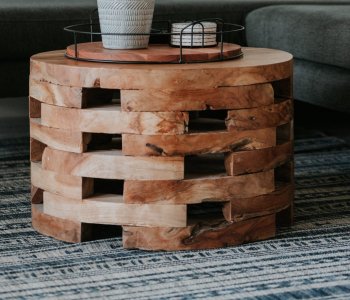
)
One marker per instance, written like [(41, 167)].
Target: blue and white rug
[(309, 261)]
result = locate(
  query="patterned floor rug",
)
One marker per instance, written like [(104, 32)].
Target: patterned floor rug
[(309, 261)]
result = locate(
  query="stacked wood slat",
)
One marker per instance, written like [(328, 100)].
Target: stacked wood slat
[(180, 137)]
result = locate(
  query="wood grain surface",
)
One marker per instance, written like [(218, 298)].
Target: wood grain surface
[(109, 119), (60, 139), (111, 164), (258, 65), (110, 209), (203, 234), (197, 143), (188, 100), (61, 184), (261, 117), (154, 53), (245, 208), (243, 162), (202, 189)]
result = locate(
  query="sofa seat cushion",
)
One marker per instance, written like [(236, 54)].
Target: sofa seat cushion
[(318, 33)]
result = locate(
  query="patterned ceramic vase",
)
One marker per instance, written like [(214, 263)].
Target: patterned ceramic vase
[(125, 16)]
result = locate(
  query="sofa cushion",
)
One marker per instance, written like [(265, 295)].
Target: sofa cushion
[(322, 85), (317, 33), (31, 26)]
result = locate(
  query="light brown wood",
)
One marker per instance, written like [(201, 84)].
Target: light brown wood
[(258, 65), (36, 150), (113, 165), (203, 189), (61, 184), (109, 119), (262, 117), (67, 96), (60, 139), (34, 108), (197, 143), (187, 100), (246, 208), (56, 94), (155, 159), (203, 234), (110, 209), (60, 229), (252, 161), (154, 53)]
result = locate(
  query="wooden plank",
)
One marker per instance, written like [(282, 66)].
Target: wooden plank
[(36, 150), (60, 139), (204, 189), (67, 96), (61, 184), (186, 100), (34, 108), (240, 209), (109, 119), (257, 66), (112, 164), (201, 234), (198, 143), (110, 209), (154, 53), (244, 162), (36, 195), (262, 117), (65, 230)]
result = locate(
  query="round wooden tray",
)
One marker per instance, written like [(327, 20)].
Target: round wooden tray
[(155, 53)]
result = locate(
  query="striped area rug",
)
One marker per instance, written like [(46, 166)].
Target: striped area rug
[(309, 261)]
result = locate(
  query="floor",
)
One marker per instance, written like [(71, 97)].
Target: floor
[(14, 119)]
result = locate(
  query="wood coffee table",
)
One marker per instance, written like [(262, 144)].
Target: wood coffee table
[(192, 156)]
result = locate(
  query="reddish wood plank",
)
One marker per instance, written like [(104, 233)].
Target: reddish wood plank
[(198, 143), (153, 53), (245, 208), (60, 139), (203, 234), (204, 189), (262, 117), (187, 100), (61, 184), (111, 164), (257, 66), (252, 161), (60, 229), (109, 119), (67, 96), (110, 209)]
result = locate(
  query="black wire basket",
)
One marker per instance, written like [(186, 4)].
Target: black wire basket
[(161, 34)]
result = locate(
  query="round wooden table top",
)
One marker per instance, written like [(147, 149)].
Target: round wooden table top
[(258, 65), (157, 53)]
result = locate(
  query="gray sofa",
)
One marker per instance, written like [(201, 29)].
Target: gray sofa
[(31, 26)]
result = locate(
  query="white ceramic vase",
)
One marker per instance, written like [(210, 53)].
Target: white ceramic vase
[(125, 16)]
